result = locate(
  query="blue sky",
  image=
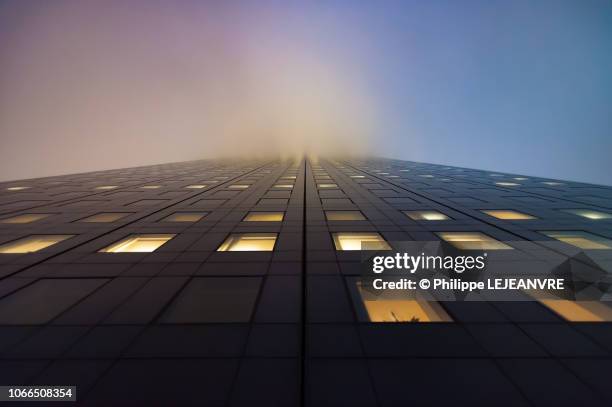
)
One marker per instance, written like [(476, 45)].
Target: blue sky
[(515, 86)]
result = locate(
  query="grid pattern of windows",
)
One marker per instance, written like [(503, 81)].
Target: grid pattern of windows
[(236, 282)]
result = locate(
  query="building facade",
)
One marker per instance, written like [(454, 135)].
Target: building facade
[(235, 283)]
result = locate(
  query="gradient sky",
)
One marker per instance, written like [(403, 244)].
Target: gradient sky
[(516, 86)]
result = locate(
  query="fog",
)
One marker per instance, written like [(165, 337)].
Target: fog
[(108, 85)]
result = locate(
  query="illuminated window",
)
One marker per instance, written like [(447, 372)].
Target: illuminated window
[(583, 240), (104, 217), (151, 186), (520, 178), (507, 184), (16, 188), (289, 177), (249, 242), (344, 215), (588, 213), (238, 186), (25, 218), (264, 217), (359, 241), (404, 170), (426, 215), (185, 217), (138, 243), (580, 311), (552, 183), (473, 241), (508, 214), (196, 186), (322, 186), (285, 186), (357, 176), (107, 187), (391, 306), (32, 243), (426, 176)]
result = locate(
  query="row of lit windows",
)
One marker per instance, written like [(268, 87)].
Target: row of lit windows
[(343, 241), (390, 306), (427, 215)]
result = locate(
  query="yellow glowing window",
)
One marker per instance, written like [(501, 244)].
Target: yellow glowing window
[(580, 311), (25, 218), (195, 186), (249, 242), (185, 217), (264, 217), (105, 217), (426, 215), (289, 177), (344, 215), (588, 213), (390, 307), (151, 187), (107, 187), (473, 241), (507, 184), (16, 188), (138, 244), (357, 176), (508, 214), (286, 186), (323, 186), (581, 239), (32, 243), (238, 186), (359, 241)]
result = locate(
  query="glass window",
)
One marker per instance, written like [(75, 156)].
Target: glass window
[(552, 183), (25, 218), (357, 176), (195, 186), (32, 243), (580, 311), (264, 217), (151, 186), (394, 306), (588, 213), (104, 217), (508, 214), (323, 186), (285, 186), (507, 184), (359, 241), (473, 241), (214, 299), (185, 217), (238, 186), (426, 215), (344, 215), (138, 243), (45, 299), (16, 188), (249, 242), (107, 187), (583, 240)]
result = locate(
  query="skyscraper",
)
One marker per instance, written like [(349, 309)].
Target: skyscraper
[(227, 282)]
